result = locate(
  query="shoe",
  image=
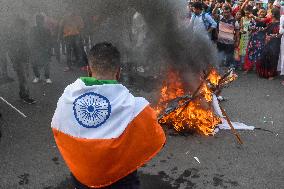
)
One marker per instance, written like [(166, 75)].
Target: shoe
[(29, 100), (282, 83), (36, 80), (48, 81)]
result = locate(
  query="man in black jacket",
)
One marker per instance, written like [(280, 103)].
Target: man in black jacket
[(18, 51)]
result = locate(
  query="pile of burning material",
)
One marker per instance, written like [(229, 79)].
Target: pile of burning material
[(198, 111)]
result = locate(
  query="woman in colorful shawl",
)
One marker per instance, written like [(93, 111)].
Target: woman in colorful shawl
[(267, 67), (244, 30), (256, 43)]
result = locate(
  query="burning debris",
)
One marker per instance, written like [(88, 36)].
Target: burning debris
[(194, 112)]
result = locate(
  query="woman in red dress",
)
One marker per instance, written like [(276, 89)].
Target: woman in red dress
[(267, 67)]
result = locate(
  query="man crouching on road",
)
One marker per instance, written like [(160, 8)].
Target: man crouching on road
[(103, 132)]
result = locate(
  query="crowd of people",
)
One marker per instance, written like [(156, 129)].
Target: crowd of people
[(24, 46), (247, 33)]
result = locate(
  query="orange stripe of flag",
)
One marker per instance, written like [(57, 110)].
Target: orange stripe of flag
[(101, 162)]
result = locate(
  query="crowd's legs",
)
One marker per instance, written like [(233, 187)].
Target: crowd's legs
[(21, 66), (228, 50), (46, 68), (56, 50)]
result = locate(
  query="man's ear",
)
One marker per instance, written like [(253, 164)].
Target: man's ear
[(117, 76)]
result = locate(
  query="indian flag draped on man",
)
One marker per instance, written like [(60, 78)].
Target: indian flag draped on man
[(103, 132)]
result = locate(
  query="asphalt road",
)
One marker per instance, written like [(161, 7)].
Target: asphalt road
[(29, 158)]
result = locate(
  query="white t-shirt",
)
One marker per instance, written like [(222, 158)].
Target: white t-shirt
[(281, 31)]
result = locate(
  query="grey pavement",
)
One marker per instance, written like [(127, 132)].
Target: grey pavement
[(29, 158)]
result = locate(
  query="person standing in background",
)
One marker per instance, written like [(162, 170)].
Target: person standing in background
[(71, 27), (202, 22), (237, 57), (19, 52), (245, 33), (228, 35), (267, 68), (256, 42), (53, 26), (41, 49)]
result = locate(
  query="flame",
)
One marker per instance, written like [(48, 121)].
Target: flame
[(193, 117), (206, 92), (196, 114), (172, 89), (214, 77)]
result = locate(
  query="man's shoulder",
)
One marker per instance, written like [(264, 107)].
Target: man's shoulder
[(207, 14), (208, 17)]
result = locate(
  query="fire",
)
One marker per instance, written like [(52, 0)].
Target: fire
[(172, 89), (214, 77), (206, 93), (186, 112), (193, 117)]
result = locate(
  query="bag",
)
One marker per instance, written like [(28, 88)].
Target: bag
[(214, 32)]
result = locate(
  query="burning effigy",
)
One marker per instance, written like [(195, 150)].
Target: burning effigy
[(197, 111)]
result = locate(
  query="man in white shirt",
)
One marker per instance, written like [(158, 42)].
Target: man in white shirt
[(201, 22)]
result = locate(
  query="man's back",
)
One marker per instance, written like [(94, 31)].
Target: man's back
[(40, 38), (103, 132)]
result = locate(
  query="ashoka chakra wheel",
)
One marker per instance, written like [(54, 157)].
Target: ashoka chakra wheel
[(91, 110)]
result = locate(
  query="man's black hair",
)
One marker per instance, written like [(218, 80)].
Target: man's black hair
[(276, 13), (220, 1), (104, 55), (271, 1), (198, 5)]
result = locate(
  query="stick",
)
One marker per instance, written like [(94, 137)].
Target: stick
[(195, 92), (13, 107), (231, 125)]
